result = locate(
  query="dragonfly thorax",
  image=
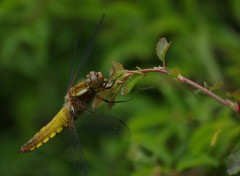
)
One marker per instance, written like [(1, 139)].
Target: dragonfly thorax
[(81, 95)]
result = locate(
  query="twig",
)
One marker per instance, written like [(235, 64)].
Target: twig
[(228, 103)]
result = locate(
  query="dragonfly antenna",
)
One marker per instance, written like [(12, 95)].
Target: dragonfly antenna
[(87, 50)]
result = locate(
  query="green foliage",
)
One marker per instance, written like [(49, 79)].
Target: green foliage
[(130, 83), (173, 129), (214, 87), (175, 72), (236, 94)]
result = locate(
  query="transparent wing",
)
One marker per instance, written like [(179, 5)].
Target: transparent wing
[(75, 152), (96, 122), (103, 124)]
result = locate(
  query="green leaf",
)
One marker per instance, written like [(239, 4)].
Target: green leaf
[(130, 83), (206, 85), (217, 86), (236, 94), (175, 72), (116, 70), (161, 49), (117, 66), (197, 161), (233, 164)]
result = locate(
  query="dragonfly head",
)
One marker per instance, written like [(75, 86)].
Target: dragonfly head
[(94, 80)]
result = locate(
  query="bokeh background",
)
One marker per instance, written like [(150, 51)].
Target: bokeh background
[(172, 125)]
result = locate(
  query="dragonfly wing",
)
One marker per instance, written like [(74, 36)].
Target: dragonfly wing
[(75, 152), (101, 122), (98, 122), (110, 123)]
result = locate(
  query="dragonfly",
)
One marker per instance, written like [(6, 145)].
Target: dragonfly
[(76, 102)]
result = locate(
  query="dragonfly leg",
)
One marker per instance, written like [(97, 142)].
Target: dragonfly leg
[(108, 85), (107, 101)]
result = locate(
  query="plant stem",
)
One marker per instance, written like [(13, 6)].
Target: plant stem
[(228, 103), (205, 90)]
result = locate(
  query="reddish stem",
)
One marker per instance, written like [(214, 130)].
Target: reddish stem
[(183, 79)]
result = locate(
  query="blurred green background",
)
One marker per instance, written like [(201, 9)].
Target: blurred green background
[(172, 127)]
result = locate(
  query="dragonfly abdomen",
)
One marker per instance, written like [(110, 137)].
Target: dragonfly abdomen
[(56, 125)]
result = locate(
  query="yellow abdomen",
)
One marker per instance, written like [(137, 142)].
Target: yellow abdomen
[(56, 125)]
